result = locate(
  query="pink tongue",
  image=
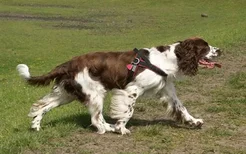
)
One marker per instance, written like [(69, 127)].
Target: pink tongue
[(209, 64)]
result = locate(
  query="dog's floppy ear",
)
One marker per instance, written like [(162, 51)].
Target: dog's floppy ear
[(187, 61), (188, 53)]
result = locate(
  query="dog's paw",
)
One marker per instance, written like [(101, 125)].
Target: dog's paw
[(101, 131), (199, 123), (36, 126), (36, 123), (109, 127), (124, 131), (196, 123)]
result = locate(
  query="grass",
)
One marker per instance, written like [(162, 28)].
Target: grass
[(46, 33)]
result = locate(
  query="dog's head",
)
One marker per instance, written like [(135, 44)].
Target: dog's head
[(208, 60), (194, 51)]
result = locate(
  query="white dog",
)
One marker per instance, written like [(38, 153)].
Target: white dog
[(129, 75)]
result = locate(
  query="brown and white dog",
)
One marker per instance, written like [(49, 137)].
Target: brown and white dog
[(88, 77)]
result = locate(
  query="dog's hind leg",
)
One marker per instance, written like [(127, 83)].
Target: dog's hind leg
[(95, 106), (94, 93), (57, 97)]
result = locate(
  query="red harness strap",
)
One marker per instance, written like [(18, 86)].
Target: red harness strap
[(142, 61)]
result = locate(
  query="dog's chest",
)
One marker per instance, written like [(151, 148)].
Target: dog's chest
[(154, 89)]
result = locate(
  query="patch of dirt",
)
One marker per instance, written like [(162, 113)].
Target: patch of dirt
[(93, 143), (237, 143), (98, 144), (78, 26), (89, 22), (12, 16), (45, 5)]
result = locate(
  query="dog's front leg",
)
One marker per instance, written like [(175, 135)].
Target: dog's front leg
[(122, 107), (176, 108)]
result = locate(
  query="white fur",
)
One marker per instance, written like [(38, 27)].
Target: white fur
[(120, 103), (213, 52), (90, 87), (23, 71)]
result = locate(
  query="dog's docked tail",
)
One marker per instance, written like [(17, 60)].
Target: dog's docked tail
[(42, 80)]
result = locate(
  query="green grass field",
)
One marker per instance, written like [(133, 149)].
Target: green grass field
[(46, 33)]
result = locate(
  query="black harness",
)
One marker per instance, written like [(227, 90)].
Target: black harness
[(142, 61)]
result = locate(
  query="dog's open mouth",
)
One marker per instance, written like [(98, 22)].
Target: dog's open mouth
[(208, 63)]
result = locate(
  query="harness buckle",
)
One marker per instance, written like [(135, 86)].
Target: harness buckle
[(136, 61)]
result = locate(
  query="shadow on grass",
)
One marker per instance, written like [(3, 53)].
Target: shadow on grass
[(84, 120)]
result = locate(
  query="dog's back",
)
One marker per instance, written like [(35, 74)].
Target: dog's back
[(107, 67)]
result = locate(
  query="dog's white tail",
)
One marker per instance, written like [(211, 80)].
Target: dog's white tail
[(23, 71)]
